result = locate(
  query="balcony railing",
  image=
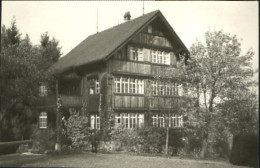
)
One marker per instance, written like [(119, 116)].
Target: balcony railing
[(71, 100)]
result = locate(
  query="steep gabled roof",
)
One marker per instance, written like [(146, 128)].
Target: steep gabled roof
[(100, 46)]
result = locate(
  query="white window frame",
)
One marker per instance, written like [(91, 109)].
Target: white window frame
[(160, 57), (43, 120), (180, 90), (140, 54), (43, 90), (155, 88), (174, 120), (97, 86), (117, 85), (154, 56), (94, 121), (161, 88), (167, 58), (129, 120)]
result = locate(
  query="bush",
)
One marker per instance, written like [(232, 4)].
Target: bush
[(76, 130), (146, 139), (43, 139), (245, 150), (7, 149)]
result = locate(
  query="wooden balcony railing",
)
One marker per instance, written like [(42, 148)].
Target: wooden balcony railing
[(69, 100)]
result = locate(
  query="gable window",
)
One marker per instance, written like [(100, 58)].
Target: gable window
[(167, 59), (43, 90), (43, 120), (161, 57), (136, 54), (94, 121), (94, 86)]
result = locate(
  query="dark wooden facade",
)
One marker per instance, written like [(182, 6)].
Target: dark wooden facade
[(82, 90)]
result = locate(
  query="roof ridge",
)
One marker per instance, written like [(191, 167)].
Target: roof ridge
[(156, 11)]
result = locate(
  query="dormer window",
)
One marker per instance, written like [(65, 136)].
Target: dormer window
[(42, 90)]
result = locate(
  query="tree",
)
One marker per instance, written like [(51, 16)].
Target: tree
[(19, 82), (23, 67), (216, 68), (50, 51)]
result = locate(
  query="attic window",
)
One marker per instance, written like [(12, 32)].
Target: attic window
[(149, 29)]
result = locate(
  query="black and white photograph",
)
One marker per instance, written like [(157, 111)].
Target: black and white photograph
[(116, 84)]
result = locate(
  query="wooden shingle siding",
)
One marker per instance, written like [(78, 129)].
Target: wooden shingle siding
[(129, 101), (152, 39), (131, 67)]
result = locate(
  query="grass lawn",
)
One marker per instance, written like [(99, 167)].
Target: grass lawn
[(112, 160)]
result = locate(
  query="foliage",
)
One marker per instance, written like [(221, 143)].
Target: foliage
[(50, 52), (20, 76), (216, 69), (146, 139), (76, 129), (43, 139), (245, 150)]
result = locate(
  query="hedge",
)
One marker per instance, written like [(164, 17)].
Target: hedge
[(245, 150)]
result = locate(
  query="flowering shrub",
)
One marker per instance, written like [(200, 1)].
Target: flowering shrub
[(76, 129)]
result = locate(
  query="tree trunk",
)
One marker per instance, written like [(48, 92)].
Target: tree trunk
[(204, 148), (58, 121), (167, 141)]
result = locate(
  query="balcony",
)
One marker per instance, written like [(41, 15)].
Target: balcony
[(71, 100)]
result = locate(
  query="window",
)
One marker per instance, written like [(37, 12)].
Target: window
[(94, 121), (149, 29), (43, 120), (117, 84), (167, 59), (154, 87), (161, 57), (154, 56), (94, 86), (174, 120), (129, 85), (42, 90), (133, 55), (140, 55), (161, 88), (125, 88), (130, 120), (132, 85), (97, 87), (167, 89), (180, 90), (136, 54)]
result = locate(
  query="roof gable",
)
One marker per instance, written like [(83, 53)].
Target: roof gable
[(102, 45)]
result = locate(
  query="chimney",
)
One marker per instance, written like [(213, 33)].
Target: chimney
[(127, 16)]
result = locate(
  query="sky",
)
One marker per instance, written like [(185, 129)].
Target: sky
[(70, 22)]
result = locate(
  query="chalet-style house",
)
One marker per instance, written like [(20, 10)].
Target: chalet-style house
[(112, 74)]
